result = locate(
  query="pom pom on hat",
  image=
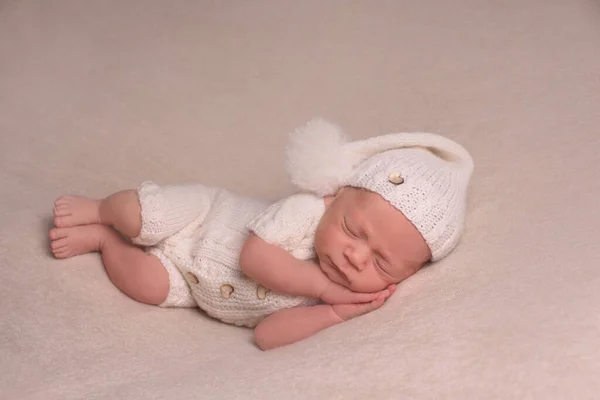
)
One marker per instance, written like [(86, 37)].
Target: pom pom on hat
[(318, 159)]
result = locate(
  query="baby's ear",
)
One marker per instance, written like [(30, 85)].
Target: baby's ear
[(329, 199)]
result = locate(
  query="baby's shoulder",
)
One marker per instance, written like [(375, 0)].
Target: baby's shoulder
[(291, 218), (300, 203)]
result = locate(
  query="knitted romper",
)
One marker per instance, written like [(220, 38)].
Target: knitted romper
[(198, 232)]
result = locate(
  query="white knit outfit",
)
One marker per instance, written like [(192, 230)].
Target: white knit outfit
[(198, 232)]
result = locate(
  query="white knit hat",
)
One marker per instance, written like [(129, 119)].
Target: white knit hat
[(425, 176)]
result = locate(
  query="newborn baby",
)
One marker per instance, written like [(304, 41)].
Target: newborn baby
[(370, 214)]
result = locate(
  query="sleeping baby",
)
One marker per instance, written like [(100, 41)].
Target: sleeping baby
[(368, 214)]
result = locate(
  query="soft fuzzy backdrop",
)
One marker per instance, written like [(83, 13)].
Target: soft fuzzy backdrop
[(97, 96)]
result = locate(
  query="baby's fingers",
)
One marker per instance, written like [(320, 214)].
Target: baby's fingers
[(348, 311), (365, 297), (375, 304), (391, 289), (371, 306), (369, 297), (381, 298)]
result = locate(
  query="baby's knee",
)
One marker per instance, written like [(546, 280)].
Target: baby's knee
[(153, 293), (151, 283)]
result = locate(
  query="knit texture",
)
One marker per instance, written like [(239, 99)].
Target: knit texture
[(198, 233), (291, 224), (432, 195), (166, 210), (180, 293), (423, 175)]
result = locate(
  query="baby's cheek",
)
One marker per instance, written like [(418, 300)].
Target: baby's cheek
[(369, 284), (317, 245)]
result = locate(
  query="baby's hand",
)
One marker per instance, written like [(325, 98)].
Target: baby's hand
[(349, 311), (338, 294)]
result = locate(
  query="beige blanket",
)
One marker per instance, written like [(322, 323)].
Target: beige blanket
[(97, 96)]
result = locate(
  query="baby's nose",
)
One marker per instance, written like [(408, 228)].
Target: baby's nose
[(358, 256)]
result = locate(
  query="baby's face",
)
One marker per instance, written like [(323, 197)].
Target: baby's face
[(365, 244)]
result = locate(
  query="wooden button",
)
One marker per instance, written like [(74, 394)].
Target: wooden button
[(226, 291), (396, 178), (261, 292), (192, 278)]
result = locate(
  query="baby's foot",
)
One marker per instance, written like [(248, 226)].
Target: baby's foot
[(76, 240), (76, 210)]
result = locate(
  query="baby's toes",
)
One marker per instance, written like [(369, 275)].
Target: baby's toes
[(64, 252), (63, 221), (58, 244), (62, 202), (57, 233), (63, 207), (62, 210)]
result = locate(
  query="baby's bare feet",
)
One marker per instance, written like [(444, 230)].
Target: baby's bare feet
[(76, 210), (76, 240)]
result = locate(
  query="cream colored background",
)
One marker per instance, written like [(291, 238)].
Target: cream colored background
[(96, 96)]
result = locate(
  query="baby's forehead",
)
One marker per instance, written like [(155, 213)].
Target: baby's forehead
[(361, 195), (363, 199)]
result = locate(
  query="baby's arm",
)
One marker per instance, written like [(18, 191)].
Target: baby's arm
[(294, 324), (278, 270)]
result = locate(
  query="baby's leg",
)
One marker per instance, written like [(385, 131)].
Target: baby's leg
[(147, 215), (139, 275), (121, 210)]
